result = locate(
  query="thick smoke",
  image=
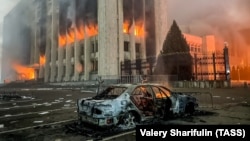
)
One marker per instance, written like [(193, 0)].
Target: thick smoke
[(77, 12), (228, 20), (133, 10), (16, 38)]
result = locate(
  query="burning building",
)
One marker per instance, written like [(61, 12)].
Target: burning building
[(75, 40), (17, 44)]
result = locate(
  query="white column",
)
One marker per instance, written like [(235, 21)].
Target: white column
[(87, 53), (143, 39), (68, 62), (54, 41), (132, 45), (60, 63), (107, 37), (76, 59), (120, 35), (48, 42)]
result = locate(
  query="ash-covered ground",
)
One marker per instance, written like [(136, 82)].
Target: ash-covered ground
[(42, 112)]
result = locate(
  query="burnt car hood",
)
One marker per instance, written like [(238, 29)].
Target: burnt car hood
[(103, 107)]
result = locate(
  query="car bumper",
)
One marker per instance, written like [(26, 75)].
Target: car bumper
[(103, 122)]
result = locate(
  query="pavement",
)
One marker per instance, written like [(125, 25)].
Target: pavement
[(43, 112)]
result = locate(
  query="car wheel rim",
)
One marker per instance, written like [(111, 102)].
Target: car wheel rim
[(129, 121)]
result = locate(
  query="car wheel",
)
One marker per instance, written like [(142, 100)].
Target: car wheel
[(129, 120)]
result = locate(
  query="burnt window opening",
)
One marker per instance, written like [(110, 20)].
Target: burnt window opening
[(93, 48), (72, 70), (57, 54), (64, 53), (82, 49), (56, 74), (126, 46), (94, 66), (96, 46), (73, 51), (64, 71), (137, 47), (82, 65)]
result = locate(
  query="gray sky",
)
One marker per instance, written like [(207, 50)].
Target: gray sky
[(5, 7)]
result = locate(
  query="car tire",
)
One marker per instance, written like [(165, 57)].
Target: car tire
[(129, 120)]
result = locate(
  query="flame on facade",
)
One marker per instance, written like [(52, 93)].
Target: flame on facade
[(92, 30), (138, 29), (24, 72), (42, 60), (61, 40), (77, 34), (126, 27)]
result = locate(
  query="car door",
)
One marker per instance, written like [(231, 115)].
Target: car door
[(162, 100), (142, 98)]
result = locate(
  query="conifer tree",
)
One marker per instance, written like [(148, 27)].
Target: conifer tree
[(175, 58)]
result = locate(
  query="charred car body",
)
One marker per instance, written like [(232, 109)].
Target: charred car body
[(129, 104)]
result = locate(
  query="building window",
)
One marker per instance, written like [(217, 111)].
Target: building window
[(96, 46), (56, 74), (137, 47), (126, 46), (73, 51), (72, 70), (82, 65), (95, 66), (93, 47), (82, 49), (192, 49), (64, 53), (64, 71)]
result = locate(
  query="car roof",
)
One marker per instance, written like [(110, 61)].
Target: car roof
[(136, 84), (133, 85)]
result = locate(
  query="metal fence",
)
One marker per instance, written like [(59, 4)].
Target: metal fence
[(213, 66)]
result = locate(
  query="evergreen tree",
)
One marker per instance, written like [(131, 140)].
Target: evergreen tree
[(175, 58)]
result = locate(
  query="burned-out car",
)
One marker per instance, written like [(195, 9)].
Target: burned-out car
[(129, 104)]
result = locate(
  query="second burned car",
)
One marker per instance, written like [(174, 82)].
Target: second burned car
[(129, 104)]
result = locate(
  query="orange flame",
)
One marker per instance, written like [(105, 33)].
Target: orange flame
[(61, 40), (42, 60), (126, 27), (24, 72), (77, 33), (138, 31), (92, 30)]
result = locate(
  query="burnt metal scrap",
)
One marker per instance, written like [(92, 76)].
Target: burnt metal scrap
[(126, 105), (12, 95), (8, 95)]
